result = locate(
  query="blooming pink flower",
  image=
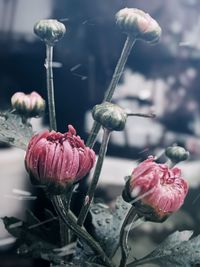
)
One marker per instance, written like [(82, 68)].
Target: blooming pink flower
[(155, 190), (53, 157), (29, 105)]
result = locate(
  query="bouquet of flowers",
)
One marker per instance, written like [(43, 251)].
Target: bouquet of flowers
[(58, 162)]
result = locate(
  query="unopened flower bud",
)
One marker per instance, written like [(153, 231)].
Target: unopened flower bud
[(49, 30), (155, 190), (177, 154), (138, 24), (58, 160), (110, 116), (28, 105)]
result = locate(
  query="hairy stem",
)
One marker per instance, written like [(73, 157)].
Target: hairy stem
[(95, 179), (69, 219), (50, 87), (111, 89)]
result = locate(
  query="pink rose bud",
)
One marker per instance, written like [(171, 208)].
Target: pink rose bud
[(58, 160), (155, 190), (28, 105), (139, 24)]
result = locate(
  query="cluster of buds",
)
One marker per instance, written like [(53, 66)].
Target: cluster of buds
[(61, 160), (58, 160), (28, 105), (138, 24)]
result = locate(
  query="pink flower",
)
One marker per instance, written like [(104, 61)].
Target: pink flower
[(139, 24), (29, 105), (155, 190), (53, 157)]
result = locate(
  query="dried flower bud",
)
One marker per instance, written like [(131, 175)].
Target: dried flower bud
[(110, 116), (176, 154), (58, 160), (49, 30), (155, 190), (139, 24), (28, 105)]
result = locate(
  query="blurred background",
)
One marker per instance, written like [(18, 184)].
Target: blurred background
[(163, 79)]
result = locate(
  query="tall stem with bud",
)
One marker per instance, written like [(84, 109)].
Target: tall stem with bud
[(50, 87), (111, 89)]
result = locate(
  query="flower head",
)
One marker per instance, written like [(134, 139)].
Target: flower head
[(49, 30), (177, 154), (53, 158), (111, 116), (28, 105), (155, 190), (138, 24)]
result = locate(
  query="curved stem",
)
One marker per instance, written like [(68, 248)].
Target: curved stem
[(125, 229), (130, 41), (95, 179), (71, 222), (50, 87)]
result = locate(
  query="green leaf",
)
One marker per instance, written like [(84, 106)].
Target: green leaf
[(177, 250), (85, 264), (13, 131), (107, 223), (34, 238), (172, 241)]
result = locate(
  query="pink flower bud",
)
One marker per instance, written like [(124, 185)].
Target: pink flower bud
[(138, 24), (155, 190), (53, 158), (28, 105)]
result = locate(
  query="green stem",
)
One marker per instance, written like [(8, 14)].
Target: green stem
[(69, 219), (125, 229), (151, 115), (67, 200), (63, 233), (50, 87), (171, 163), (130, 41), (95, 179), (139, 262), (64, 230)]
